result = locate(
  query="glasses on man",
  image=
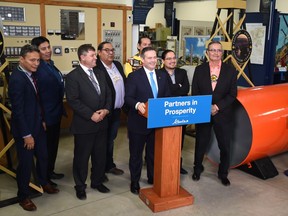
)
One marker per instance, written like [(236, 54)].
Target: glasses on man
[(109, 50), (215, 50), (170, 58)]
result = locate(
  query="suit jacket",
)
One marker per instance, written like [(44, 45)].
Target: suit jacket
[(51, 90), (180, 78), (138, 89), (225, 91), (118, 65), (84, 100), (26, 110)]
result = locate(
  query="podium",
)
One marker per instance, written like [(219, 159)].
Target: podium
[(167, 115), (166, 192)]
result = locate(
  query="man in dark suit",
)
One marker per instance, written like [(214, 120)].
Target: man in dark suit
[(219, 80), (115, 77), (141, 85), (28, 126), (178, 84), (90, 99), (51, 88)]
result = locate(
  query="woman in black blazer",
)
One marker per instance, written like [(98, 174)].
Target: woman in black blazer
[(219, 80)]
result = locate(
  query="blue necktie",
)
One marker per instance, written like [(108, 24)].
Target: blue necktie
[(153, 85)]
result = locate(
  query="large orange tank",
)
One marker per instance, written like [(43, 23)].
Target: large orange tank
[(260, 125)]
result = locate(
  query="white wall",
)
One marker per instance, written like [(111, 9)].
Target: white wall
[(156, 15), (198, 11), (202, 10)]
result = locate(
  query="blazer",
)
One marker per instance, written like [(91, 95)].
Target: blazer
[(180, 78), (51, 90), (138, 89), (84, 100), (118, 65), (225, 91), (26, 110)]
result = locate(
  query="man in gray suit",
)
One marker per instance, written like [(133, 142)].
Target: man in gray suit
[(90, 98)]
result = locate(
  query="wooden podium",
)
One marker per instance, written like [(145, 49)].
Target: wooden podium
[(166, 192)]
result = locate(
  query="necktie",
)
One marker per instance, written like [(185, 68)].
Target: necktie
[(95, 84), (34, 79), (153, 85)]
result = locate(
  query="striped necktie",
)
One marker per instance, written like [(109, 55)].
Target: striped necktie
[(94, 82)]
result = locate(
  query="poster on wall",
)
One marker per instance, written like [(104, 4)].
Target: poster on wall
[(257, 32), (281, 57), (195, 49)]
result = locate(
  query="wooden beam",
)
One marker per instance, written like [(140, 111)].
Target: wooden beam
[(124, 41), (236, 4), (73, 4), (99, 25), (43, 20)]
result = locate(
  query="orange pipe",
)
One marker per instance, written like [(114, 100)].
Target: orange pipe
[(260, 125)]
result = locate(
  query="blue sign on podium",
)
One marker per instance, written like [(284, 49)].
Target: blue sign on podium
[(176, 111)]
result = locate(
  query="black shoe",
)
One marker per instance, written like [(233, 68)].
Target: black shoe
[(115, 171), (101, 188), (225, 181), (196, 176), (52, 183), (150, 181), (135, 188), (56, 175), (183, 171), (81, 195)]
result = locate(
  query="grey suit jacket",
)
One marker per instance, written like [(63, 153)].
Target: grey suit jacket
[(84, 100)]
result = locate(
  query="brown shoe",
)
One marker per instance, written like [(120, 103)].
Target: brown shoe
[(28, 205), (116, 171), (50, 189)]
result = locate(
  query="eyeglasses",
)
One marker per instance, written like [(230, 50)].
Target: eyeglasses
[(215, 50), (109, 50), (170, 58)]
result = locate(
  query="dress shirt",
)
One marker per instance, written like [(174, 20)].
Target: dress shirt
[(118, 84)]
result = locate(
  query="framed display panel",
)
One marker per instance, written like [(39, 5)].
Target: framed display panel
[(195, 49), (281, 58), (12, 14), (199, 30), (72, 25)]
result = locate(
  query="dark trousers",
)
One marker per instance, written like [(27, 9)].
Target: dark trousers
[(85, 146), (114, 123), (25, 163), (203, 136), (53, 133), (136, 147)]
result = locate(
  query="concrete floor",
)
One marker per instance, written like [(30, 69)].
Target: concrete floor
[(247, 195)]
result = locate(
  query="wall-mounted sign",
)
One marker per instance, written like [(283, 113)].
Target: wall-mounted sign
[(140, 10), (241, 46)]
